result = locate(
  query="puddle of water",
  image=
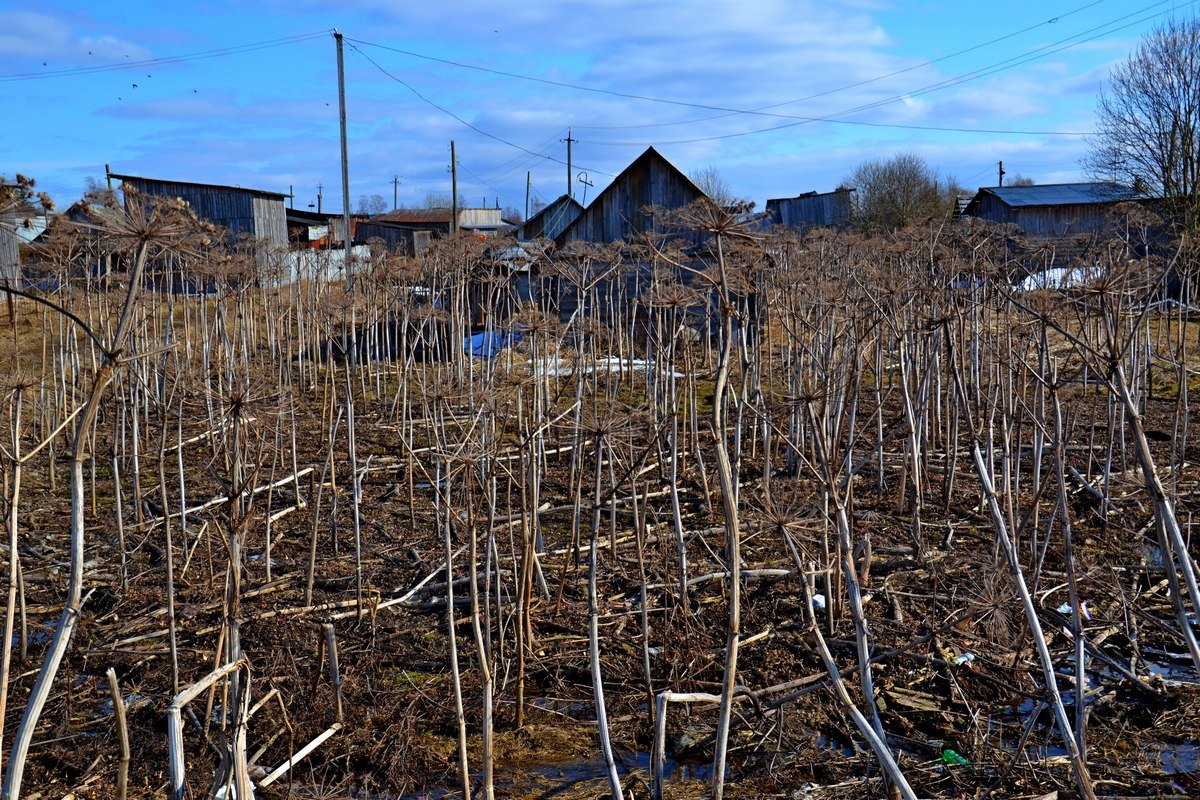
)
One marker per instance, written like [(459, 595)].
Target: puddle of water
[(132, 703), (1181, 759), (38, 634), (836, 745), (550, 779)]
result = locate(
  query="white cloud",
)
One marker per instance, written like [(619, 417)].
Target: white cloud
[(55, 41)]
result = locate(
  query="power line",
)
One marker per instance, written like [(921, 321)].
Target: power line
[(865, 82), (980, 73), (1024, 58), (483, 183), (522, 161), (667, 101), (150, 62), (832, 118), (451, 114)]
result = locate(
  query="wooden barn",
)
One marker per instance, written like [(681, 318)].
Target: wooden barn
[(396, 238), (244, 212), (811, 210), (551, 220), (1052, 210), (630, 203)]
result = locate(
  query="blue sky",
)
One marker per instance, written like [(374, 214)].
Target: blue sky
[(253, 101)]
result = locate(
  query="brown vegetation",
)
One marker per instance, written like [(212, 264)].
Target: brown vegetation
[(856, 517)]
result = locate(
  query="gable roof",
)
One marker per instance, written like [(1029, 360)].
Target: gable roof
[(552, 219), (594, 215), (1060, 194)]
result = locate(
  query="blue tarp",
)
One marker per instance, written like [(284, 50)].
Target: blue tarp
[(488, 344)]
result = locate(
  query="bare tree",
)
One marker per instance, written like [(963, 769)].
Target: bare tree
[(894, 193), (371, 204), (708, 180), (441, 200), (1148, 123)]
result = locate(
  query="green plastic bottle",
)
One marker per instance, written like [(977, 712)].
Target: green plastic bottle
[(953, 759)]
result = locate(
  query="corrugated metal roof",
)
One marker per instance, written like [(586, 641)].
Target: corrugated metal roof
[(1064, 194), (417, 215)]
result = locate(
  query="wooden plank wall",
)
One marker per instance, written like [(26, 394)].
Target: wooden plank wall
[(405, 241), (10, 250), (242, 212), (1060, 220), (270, 219), (813, 211)]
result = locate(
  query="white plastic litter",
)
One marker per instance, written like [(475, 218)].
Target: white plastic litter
[(1065, 608), (1060, 278), (819, 600), (555, 368)]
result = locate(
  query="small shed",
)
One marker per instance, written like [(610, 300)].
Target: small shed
[(629, 204), (812, 210), (250, 212), (551, 220), (309, 229), (1053, 210)]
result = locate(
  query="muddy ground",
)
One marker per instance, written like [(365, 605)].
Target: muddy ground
[(957, 682)]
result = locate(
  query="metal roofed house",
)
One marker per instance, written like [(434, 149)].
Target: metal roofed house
[(628, 204), (1058, 209), (252, 212), (551, 220), (812, 210)]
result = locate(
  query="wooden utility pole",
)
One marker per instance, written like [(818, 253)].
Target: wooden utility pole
[(570, 177), (395, 192), (453, 190), (341, 69), (1000, 169), (320, 188), (528, 186)]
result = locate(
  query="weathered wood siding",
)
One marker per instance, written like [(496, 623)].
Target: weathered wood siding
[(244, 212), (397, 239), (479, 218), (270, 220), (624, 207), (811, 211), (1056, 220), (10, 250)]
